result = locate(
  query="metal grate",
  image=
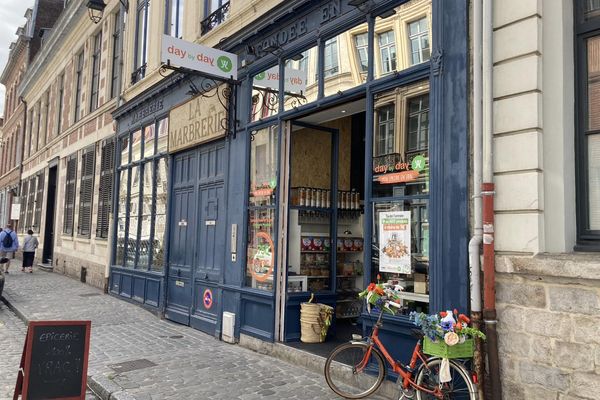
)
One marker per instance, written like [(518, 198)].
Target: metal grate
[(90, 294), (132, 365)]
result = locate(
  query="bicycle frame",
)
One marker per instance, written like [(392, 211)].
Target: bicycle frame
[(398, 367)]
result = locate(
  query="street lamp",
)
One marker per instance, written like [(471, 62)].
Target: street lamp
[(96, 10)]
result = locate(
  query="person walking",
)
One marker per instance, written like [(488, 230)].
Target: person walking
[(30, 243), (9, 243)]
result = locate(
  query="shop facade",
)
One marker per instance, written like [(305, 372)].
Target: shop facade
[(341, 158)]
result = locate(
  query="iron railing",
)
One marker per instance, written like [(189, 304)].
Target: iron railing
[(215, 19)]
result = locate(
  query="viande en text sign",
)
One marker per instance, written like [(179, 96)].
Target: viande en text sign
[(181, 53)]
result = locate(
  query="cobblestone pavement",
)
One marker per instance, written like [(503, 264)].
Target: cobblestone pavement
[(188, 363)]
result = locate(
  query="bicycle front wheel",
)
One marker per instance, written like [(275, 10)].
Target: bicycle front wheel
[(461, 386), (354, 370)]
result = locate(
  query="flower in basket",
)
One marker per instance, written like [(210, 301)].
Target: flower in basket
[(447, 326), (374, 294), (451, 338)]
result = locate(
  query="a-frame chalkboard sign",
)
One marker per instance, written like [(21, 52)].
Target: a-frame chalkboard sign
[(54, 361)]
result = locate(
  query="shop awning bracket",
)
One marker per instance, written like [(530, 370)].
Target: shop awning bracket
[(211, 86)]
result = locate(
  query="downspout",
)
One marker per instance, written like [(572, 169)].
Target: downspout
[(489, 272), (22, 148), (475, 242)]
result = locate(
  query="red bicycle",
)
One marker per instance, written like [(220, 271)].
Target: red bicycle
[(356, 369)]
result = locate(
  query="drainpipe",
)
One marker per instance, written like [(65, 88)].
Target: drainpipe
[(24, 130), (487, 187), (475, 242)]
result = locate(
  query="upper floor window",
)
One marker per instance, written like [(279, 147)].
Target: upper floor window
[(418, 35), (587, 149), (78, 83), (175, 18), (362, 45), (60, 102), (418, 124), (387, 49), (96, 71), (385, 130), (115, 74), (141, 41), (215, 12), (331, 58)]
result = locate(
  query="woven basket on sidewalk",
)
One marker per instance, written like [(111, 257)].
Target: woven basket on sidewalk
[(313, 318)]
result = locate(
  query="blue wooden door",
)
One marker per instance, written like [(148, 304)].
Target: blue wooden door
[(198, 237), (182, 238)]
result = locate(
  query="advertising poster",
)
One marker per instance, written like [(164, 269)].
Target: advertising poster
[(394, 242)]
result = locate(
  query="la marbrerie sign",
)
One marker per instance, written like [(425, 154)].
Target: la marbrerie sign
[(198, 121), (180, 53)]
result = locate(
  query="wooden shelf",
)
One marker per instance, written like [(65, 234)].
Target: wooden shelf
[(314, 252), (317, 277)]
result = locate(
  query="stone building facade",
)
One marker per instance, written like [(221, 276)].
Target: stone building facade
[(67, 163), (548, 294)]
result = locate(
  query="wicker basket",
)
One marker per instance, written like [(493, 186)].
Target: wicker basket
[(441, 349), (312, 322)]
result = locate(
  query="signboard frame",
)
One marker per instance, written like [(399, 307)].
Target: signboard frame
[(23, 379)]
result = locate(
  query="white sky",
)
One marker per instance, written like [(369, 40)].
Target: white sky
[(11, 17)]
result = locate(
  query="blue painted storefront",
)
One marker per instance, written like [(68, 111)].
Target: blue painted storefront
[(180, 290)]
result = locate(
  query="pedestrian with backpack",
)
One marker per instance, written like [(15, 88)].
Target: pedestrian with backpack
[(9, 243)]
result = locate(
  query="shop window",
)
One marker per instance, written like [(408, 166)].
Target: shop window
[(265, 94), (115, 73), (331, 65), (86, 191), (39, 197), (401, 143), (78, 86), (141, 214), (71, 174), (260, 262), (587, 135), (300, 84), (96, 71), (106, 188), (419, 41), (387, 49), (174, 18)]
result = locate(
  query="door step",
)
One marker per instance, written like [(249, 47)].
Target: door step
[(45, 267)]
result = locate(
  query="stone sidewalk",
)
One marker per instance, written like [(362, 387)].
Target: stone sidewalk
[(180, 362)]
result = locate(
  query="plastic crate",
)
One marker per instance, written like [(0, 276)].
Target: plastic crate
[(441, 349)]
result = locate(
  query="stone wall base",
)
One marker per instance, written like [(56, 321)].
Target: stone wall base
[(549, 326), (73, 266)]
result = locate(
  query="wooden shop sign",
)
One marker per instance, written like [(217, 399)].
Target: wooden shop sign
[(200, 120)]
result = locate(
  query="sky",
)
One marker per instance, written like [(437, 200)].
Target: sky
[(11, 17)]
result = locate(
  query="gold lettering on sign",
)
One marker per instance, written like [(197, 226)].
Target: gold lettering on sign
[(198, 121)]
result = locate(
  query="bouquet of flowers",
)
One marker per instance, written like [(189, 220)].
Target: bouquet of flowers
[(449, 326), (376, 294)]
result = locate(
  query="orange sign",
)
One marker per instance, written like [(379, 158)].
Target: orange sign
[(398, 177)]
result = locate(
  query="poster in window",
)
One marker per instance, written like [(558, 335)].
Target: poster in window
[(394, 242)]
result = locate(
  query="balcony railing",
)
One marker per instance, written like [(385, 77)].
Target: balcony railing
[(214, 19), (138, 74)]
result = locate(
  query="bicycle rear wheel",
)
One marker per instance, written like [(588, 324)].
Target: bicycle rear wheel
[(354, 370), (461, 386)]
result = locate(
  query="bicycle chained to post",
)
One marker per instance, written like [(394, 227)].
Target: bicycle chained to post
[(356, 370)]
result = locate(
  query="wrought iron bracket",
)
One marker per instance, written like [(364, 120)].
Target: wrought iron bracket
[(210, 86)]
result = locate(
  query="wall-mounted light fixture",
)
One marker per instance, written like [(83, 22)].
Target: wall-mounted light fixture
[(96, 9), (362, 5)]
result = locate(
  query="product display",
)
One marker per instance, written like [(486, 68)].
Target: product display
[(321, 198)]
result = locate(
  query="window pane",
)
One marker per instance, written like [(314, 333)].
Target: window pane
[(401, 143), (300, 83), (260, 261), (160, 219), (594, 181), (122, 218), (124, 144), (265, 94), (149, 140), (403, 39), (401, 249), (593, 85), (146, 218), (591, 8), (136, 146), (133, 217), (263, 167), (163, 135)]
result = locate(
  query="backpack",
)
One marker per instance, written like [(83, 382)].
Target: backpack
[(7, 242)]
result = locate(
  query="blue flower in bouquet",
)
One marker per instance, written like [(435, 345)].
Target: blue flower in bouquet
[(446, 326)]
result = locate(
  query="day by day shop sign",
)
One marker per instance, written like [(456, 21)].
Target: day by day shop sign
[(180, 53)]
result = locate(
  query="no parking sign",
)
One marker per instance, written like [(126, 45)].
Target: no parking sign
[(207, 299)]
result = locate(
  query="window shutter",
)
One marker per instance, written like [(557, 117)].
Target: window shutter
[(105, 189), (30, 203), (22, 214), (37, 220), (70, 195), (86, 193)]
